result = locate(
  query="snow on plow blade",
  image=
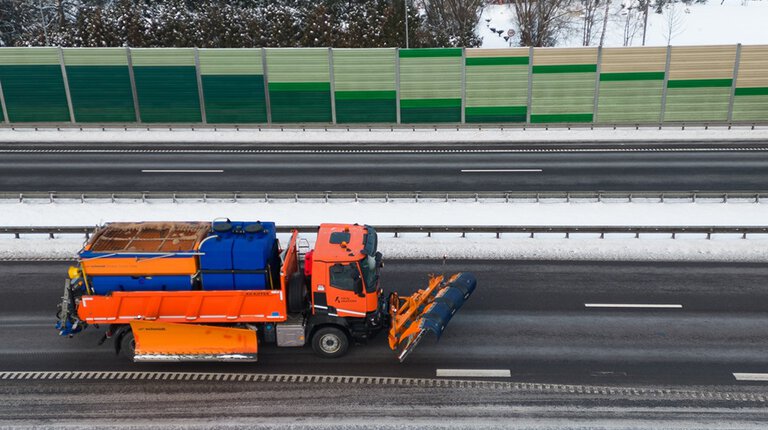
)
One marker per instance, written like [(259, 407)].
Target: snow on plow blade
[(157, 341), (427, 310)]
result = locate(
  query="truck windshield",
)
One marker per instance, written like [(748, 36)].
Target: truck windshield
[(370, 273)]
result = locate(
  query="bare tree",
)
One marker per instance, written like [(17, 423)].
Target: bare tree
[(590, 11), (605, 22), (453, 22), (541, 22), (633, 13), (673, 22)]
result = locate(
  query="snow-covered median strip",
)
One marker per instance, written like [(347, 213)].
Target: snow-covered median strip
[(717, 134), (615, 247)]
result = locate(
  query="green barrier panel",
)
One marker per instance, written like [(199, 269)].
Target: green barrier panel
[(99, 84), (166, 84), (299, 85), (33, 86), (496, 85), (233, 85), (364, 81), (430, 85), (704, 100), (563, 85)]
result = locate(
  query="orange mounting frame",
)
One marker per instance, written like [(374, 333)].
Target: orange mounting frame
[(405, 311)]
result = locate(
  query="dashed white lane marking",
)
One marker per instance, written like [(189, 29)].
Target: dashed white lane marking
[(501, 170), (751, 376), (634, 305), (181, 171), (474, 373)]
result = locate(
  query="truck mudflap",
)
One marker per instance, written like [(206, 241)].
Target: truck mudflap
[(428, 310), (156, 341)]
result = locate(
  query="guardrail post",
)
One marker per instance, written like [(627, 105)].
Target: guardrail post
[(463, 85), (65, 79), (529, 103), (664, 86), (200, 94), (332, 81), (132, 78), (268, 104), (597, 83), (733, 82), (3, 106), (397, 84)]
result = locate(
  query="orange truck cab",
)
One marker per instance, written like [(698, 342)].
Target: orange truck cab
[(344, 283)]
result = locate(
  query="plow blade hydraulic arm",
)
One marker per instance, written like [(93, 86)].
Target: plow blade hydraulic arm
[(427, 310)]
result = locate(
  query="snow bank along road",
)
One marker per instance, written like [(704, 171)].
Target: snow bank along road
[(543, 322), (197, 167)]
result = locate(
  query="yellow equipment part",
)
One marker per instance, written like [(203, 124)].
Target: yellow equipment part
[(157, 341)]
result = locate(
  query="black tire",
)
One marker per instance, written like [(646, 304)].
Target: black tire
[(297, 293), (128, 345), (330, 342)]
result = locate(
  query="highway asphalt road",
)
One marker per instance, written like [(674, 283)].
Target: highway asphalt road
[(617, 167), (527, 317), (627, 368)]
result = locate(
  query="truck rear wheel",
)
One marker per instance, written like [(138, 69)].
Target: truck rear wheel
[(330, 342), (128, 345)]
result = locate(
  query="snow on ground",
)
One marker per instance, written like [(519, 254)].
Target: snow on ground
[(474, 246), (713, 23), (207, 135), (457, 212)]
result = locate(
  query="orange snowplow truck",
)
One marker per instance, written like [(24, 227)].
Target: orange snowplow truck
[(194, 291)]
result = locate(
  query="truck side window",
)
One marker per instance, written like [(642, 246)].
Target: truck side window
[(343, 276)]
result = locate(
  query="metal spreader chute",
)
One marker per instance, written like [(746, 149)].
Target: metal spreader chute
[(428, 310)]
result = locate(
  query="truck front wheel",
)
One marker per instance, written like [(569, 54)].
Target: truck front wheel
[(330, 342), (128, 345)]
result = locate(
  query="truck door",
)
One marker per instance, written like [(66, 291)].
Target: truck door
[(345, 293)]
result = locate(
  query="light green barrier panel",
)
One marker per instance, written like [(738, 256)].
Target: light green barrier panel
[(364, 81), (166, 83), (698, 100), (496, 85), (233, 86), (563, 84), (700, 83), (299, 84), (630, 97), (33, 85), (563, 93), (750, 104), (99, 84), (430, 85)]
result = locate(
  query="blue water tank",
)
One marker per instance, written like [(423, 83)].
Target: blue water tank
[(239, 255)]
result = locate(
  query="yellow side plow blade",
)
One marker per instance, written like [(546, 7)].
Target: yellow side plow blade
[(427, 310), (156, 341)]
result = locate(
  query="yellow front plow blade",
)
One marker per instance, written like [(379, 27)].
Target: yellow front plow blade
[(427, 310)]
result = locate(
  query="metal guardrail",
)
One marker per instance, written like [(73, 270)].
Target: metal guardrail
[(682, 125), (414, 196), (463, 230)]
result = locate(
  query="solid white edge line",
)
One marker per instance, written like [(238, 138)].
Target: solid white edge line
[(181, 171), (474, 373), (751, 376), (501, 170), (632, 305)]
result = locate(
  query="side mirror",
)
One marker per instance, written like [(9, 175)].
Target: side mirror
[(359, 286), (379, 260)]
